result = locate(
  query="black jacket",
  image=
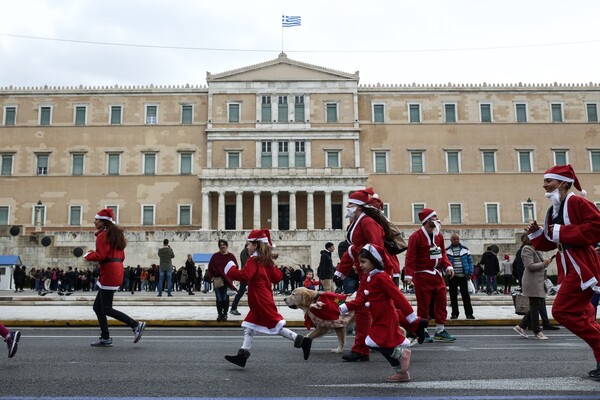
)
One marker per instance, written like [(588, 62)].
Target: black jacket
[(325, 270), (490, 263)]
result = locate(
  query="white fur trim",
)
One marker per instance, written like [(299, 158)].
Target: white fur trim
[(412, 317), (357, 202), (229, 265), (583, 193), (103, 217), (556, 233), (429, 216), (535, 234), (366, 291), (559, 178), (367, 304), (264, 329), (338, 273), (371, 249)]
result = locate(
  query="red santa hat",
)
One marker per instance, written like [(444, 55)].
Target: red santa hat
[(106, 214), (361, 197), (378, 254), (425, 214), (564, 173), (260, 235)]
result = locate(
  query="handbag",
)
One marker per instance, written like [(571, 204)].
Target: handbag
[(397, 245), (470, 287), (218, 282)]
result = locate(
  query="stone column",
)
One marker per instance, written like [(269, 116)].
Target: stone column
[(205, 210), (310, 210), (345, 198), (293, 224), (256, 211), (239, 210), (274, 211), (327, 209), (221, 211)]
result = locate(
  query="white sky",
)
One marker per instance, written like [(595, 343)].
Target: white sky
[(388, 41)]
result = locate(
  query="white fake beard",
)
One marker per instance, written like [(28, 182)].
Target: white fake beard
[(554, 198), (438, 228), (350, 212)]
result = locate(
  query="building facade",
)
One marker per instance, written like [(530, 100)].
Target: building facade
[(281, 145)]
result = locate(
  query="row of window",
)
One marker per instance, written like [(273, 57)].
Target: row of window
[(298, 160), (113, 164), (115, 115), (488, 160), (283, 114), (148, 214), (486, 114), (184, 214)]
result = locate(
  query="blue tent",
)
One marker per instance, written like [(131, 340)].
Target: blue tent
[(201, 258), (10, 260)]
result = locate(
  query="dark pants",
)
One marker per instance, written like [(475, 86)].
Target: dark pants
[(532, 318), (238, 296), (387, 353), (103, 308), (453, 285)]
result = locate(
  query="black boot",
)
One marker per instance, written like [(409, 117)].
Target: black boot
[(240, 358), (225, 309), (304, 343), (353, 356), (421, 330), (220, 311), (595, 374), (549, 327)]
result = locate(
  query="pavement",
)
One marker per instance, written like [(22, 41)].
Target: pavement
[(182, 310)]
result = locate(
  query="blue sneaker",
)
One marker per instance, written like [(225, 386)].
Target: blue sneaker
[(427, 339), (102, 343), (444, 336)]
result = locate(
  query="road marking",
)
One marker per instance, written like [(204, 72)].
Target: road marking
[(558, 384)]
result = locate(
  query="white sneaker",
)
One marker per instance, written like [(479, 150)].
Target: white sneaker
[(521, 331), (540, 336)]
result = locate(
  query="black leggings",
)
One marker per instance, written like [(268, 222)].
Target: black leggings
[(387, 353), (103, 308)]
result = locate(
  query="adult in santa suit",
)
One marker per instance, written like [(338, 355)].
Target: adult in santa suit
[(368, 225), (110, 254), (260, 272), (425, 256), (572, 225)]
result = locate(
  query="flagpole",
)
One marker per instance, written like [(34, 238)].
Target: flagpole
[(282, 31)]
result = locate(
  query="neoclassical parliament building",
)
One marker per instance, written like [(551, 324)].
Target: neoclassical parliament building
[(281, 145)]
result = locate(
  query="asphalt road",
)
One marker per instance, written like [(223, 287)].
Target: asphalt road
[(188, 362)]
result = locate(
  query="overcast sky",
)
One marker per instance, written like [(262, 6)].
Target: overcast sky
[(174, 42)]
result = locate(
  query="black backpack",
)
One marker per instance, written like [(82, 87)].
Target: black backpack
[(517, 266)]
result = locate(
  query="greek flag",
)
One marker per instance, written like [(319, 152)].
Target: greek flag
[(288, 20)]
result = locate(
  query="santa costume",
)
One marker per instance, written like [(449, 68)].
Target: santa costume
[(572, 226), (381, 296), (362, 231), (425, 259), (263, 316)]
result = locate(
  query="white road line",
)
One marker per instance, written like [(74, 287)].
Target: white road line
[(558, 384)]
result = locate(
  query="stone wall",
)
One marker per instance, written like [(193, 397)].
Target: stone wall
[(294, 247)]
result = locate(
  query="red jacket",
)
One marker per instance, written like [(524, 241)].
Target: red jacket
[(581, 230), (363, 231), (423, 256), (111, 273)]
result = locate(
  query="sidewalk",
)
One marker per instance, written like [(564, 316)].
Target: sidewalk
[(30, 309)]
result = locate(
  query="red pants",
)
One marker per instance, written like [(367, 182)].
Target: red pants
[(3, 331), (573, 309), (428, 287)]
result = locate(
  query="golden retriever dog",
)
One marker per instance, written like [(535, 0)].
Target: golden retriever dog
[(321, 311)]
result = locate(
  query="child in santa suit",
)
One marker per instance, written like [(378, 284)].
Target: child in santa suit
[(310, 282), (382, 297), (260, 272), (572, 225)]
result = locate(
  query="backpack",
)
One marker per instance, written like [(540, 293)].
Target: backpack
[(518, 267)]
